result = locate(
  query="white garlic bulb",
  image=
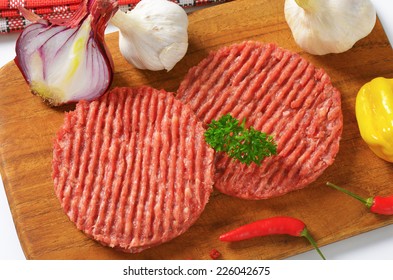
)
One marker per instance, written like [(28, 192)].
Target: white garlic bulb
[(329, 26), (153, 35)]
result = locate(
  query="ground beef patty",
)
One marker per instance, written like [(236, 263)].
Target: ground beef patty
[(131, 169), (280, 93)]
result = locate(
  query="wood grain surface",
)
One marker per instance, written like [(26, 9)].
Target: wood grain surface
[(28, 126)]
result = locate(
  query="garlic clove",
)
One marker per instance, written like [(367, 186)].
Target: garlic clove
[(329, 26), (170, 54), (153, 35)]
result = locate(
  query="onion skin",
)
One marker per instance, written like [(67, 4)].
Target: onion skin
[(67, 60)]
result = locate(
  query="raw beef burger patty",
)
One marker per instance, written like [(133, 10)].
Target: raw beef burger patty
[(131, 169), (280, 93)]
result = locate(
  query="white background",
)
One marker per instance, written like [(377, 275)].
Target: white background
[(374, 245)]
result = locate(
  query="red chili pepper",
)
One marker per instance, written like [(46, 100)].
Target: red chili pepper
[(270, 226), (377, 204)]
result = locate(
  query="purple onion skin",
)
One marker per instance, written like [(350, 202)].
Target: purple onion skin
[(45, 46)]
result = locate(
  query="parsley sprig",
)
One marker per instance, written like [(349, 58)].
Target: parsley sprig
[(246, 145)]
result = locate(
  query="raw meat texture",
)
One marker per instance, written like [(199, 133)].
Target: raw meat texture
[(280, 93), (132, 169)]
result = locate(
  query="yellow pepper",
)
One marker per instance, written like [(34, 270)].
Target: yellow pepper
[(374, 114)]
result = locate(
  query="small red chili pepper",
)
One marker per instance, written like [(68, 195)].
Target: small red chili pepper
[(378, 204), (270, 226)]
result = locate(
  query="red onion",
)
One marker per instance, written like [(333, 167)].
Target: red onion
[(66, 60)]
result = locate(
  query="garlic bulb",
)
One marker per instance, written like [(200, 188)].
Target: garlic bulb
[(329, 26), (153, 35)]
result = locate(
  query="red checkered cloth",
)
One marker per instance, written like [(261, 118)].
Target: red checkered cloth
[(11, 20)]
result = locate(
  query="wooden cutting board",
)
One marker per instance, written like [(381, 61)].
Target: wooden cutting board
[(28, 126)]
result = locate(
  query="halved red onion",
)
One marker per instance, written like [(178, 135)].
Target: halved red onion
[(65, 61)]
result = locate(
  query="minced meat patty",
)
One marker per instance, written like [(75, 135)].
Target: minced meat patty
[(132, 169), (280, 93)]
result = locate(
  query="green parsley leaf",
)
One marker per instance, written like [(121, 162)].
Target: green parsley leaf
[(246, 145)]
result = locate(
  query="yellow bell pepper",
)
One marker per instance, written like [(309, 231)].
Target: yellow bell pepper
[(374, 114)]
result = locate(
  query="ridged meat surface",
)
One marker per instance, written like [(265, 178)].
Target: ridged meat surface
[(131, 169), (280, 93)]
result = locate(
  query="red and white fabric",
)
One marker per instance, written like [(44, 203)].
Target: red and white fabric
[(11, 20)]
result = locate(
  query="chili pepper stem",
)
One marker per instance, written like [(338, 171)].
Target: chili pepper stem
[(366, 201), (305, 233)]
